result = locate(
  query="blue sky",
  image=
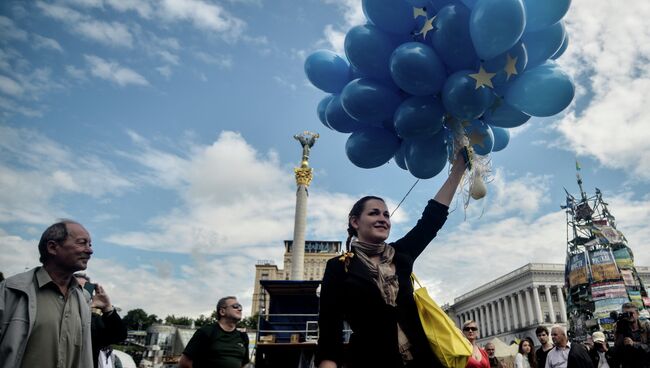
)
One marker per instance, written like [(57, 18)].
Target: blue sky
[(165, 127)]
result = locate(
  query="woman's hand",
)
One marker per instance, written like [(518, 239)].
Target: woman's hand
[(327, 364)]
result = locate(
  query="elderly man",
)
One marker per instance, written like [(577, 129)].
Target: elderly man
[(566, 354), (490, 349), (44, 314)]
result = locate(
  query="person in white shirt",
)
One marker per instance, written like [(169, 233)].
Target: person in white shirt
[(566, 354), (601, 355)]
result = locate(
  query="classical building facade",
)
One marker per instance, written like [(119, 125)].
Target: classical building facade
[(513, 305), (316, 254)]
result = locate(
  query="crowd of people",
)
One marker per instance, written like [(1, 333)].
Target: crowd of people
[(53, 316)]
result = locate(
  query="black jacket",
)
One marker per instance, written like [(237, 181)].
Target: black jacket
[(609, 357), (106, 330), (353, 296), (579, 357)]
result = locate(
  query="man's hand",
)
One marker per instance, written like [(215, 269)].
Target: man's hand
[(101, 300), (628, 341)]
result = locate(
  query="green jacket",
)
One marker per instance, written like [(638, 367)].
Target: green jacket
[(17, 315)]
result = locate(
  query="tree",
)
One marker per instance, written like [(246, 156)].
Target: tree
[(181, 321), (250, 323), (203, 320), (137, 319)]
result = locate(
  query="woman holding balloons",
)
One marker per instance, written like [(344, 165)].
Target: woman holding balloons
[(370, 288)]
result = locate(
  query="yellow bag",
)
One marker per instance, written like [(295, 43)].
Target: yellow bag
[(446, 340)]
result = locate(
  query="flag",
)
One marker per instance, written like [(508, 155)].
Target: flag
[(577, 165)]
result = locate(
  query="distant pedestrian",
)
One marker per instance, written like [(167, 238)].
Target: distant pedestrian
[(525, 357), (566, 354), (44, 314), (106, 325), (490, 349), (601, 355), (218, 345), (546, 345)]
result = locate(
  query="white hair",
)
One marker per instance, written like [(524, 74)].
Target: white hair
[(560, 327)]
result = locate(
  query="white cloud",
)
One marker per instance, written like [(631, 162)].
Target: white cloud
[(202, 15), (10, 87), (143, 8), (610, 63), (284, 83), (11, 107), (40, 170), (108, 33), (114, 72), (165, 71), (10, 31), (75, 72), (41, 42), (222, 61)]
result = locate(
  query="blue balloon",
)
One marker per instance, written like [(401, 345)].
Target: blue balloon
[(452, 40), (322, 107), (501, 114), (495, 26), (390, 15), (327, 71), (426, 157), (462, 98), (541, 91), (369, 49), (480, 137), (416, 69), (419, 116), (470, 3), (543, 44), (507, 66), (439, 4), (418, 3), (501, 138), (371, 147), (400, 157), (370, 101), (338, 119), (565, 44), (542, 13)]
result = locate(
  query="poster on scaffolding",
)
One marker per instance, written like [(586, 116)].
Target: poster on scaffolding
[(629, 279), (608, 290), (608, 234), (623, 258), (603, 265), (578, 273)]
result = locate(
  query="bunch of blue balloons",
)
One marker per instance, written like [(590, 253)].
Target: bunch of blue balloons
[(418, 65)]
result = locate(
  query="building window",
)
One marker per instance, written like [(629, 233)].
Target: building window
[(547, 317), (554, 297), (558, 317), (542, 297)]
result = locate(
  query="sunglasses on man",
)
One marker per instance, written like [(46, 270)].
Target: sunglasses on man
[(235, 306), (470, 329)]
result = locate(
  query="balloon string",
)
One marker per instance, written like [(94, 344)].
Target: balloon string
[(406, 195)]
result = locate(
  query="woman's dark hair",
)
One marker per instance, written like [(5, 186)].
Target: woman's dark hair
[(531, 356), (356, 211)]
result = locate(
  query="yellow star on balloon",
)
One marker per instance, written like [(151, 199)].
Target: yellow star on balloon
[(419, 12), (428, 25), (483, 78), (511, 67), (476, 138)]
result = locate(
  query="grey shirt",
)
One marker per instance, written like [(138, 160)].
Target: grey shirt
[(56, 338)]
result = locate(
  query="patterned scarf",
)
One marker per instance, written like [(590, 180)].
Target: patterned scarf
[(386, 280), (383, 273)]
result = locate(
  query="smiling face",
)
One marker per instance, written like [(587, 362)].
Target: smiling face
[(73, 253), (373, 224)]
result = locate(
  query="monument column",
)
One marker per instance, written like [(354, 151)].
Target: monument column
[(515, 316), (520, 304), (499, 316), (560, 298), (529, 306), (549, 301), (506, 315), (538, 306), (304, 176)]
